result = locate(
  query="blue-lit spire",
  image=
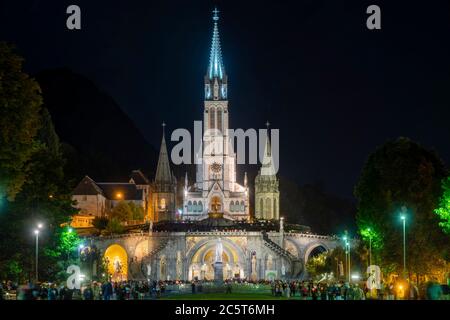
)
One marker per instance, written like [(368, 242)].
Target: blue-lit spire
[(216, 68)]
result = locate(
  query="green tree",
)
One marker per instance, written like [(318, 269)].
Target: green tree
[(443, 211), (100, 223), (44, 197), (401, 173), (137, 212), (121, 212), (114, 226), (126, 211), (317, 265), (20, 104)]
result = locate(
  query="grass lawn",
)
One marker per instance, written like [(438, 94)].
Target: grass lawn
[(223, 296)]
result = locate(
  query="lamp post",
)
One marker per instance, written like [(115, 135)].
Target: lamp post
[(347, 257), (36, 232), (349, 262), (403, 218)]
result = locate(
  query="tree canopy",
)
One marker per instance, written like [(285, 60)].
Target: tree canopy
[(398, 174), (20, 104)]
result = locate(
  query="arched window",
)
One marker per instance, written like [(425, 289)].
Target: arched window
[(163, 204), (189, 206), (219, 119), (194, 206), (274, 208), (261, 206), (212, 118), (242, 208), (268, 208), (232, 206), (200, 206)]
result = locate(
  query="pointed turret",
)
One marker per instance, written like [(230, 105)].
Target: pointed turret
[(216, 78), (267, 168), (164, 187), (163, 172)]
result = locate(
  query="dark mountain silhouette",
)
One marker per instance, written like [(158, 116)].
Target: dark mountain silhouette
[(99, 139), (311, 205)]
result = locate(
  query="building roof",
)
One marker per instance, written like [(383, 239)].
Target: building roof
[(87, 186), (138, 178), (121, 191)]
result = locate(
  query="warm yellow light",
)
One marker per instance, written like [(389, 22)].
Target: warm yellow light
[(119, 195)]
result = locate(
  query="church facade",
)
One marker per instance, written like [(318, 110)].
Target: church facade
[(216, 189), (182, 241)]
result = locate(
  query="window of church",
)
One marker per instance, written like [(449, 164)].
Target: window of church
[(219, 119), (212, 118), (200, 206), (189, 206), (194, 207), (261, 206), (163, 204), (268, 206), (242, 206), (232, 206)]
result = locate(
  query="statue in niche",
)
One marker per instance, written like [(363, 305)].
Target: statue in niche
[(219, 251), (254, 263)]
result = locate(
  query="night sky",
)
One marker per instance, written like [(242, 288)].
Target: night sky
[(335, 89)]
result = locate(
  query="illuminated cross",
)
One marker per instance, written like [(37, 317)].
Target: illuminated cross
[(163, 124), (216, 14), (267, 124)]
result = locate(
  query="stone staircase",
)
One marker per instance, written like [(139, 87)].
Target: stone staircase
[(138, 269), (296, 263)]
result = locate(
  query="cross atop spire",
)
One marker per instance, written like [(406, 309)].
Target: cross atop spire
[(267, 124), (216, 14)]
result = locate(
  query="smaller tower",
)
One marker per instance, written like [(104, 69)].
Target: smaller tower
[(267, 194), (164, 186)]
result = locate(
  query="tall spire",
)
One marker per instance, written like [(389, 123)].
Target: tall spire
[(267, 168), (216, 68), (163, 172)]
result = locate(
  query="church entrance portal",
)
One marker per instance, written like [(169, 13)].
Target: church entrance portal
[(202, 262)]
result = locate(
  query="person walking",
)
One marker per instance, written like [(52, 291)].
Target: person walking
[(88, 293), (107, 290)]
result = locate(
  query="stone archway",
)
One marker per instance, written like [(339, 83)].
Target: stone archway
[(201, 259), (117, 262), (315, 249)]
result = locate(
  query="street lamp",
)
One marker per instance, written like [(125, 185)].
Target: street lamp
[(347, 256), (403, 218), (349, 261), (36, 232)]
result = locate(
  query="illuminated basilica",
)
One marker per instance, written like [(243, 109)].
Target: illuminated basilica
[(209, 234)]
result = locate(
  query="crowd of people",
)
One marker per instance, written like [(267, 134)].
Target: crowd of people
[(140, 290)]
